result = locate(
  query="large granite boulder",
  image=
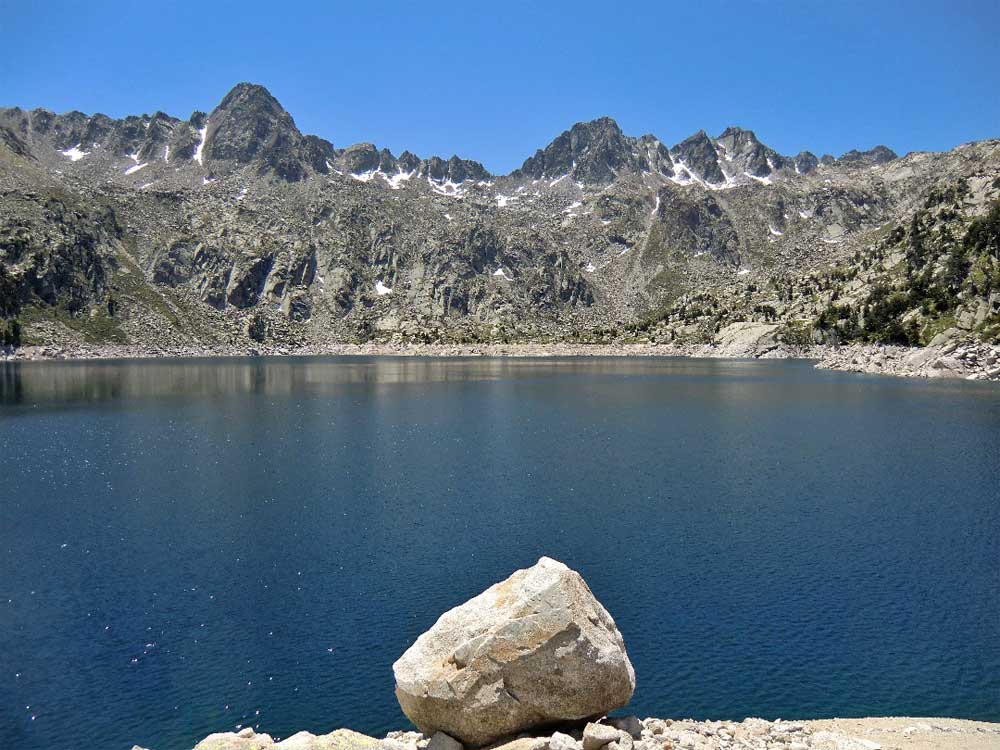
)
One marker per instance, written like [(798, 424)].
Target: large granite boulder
[(535, 649)]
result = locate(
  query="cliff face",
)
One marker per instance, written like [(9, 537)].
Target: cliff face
[(233, 228)]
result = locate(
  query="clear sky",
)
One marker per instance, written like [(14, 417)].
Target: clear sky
[(494, 81)]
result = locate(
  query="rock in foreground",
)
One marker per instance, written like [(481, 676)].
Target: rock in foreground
[(667, 734), (535, 649)]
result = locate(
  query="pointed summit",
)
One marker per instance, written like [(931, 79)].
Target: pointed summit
[(748, 155), (699, 156), (594, 152), (250, 125), (250, 95)]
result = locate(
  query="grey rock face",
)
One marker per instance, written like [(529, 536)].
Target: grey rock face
[(877, 155), (455, 169), (698, 224), (806, 162), (12, 142), (591, 152), (360, 158), (534, 649), (749, 156), (364, 158), (699, 156), (250, 126)]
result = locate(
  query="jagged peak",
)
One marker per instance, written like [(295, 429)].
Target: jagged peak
[(593, 151), (249, 93), (805, 162), (604, 122), (367, 158), (877, 155), (736, 130)]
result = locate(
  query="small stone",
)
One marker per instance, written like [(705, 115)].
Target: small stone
[(629, 724), (560, 741), (656, 726), (442, 741), (596, 736), (521, 743), (245, 732)]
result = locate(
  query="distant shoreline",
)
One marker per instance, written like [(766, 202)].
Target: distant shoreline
[(966, 360)]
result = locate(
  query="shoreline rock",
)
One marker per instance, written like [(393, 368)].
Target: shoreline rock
[(872, 733), (536, 649)]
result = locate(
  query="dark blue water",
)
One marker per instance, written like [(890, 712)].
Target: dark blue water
[(192, 547)]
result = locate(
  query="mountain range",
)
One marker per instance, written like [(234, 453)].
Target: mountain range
[(233, 228)]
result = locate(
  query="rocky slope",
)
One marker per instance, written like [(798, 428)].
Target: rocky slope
[(233, 230)]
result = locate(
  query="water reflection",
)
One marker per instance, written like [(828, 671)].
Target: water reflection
[(51, 383)]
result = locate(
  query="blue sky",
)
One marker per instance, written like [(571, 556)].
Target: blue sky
[(495, 81)]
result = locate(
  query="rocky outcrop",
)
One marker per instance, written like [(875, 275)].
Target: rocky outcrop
[(746, 339), (877, 155), (958, 358), (535, 649)]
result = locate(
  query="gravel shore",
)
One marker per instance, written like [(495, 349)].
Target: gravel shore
[(967, 360), (883, 733)]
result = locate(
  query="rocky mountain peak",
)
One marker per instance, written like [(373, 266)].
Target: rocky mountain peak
[(454, 169), (878, 155), (250, 96), (805, 162), (744, 150), (251, 126), (248, 121), (596, 152), (699, 157), (366, 159)]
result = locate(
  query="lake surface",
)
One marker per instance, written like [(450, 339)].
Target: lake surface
[(188, 547)]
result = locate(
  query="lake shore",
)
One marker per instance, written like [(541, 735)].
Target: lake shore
[(956, 359), (874, 733)]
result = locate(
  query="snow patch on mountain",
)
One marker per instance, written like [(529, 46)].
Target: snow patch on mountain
[(446, 187), (199, 152), (396, 181), (74, 154)]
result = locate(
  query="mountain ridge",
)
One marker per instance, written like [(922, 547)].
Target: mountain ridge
[(290, 150), (234, 226)]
